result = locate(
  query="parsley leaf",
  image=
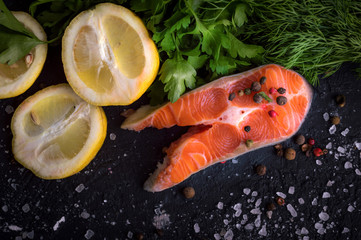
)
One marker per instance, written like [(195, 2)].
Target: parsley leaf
[(176, 74), (15, 40)]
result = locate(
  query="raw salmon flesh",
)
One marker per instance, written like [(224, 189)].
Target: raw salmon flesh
[(218, 115)]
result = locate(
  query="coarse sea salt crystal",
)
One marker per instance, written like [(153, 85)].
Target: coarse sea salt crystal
[(301, 201), (229, 235), (112, 136), (62, 219), (358, 145), (5, 208), (9, 109), (323, 216), (237, 206), (85, 215), (89, 234), (257, 222), (26, 208), (246, 191), (14, 228), (130, 235), (249, 227), (291, 190), (196, 228), (234, 161), (318, 225), (281, 194), (332, 129), (306, 238), (326, 116), (220, 205), (350, 208), (314, 202), (256, 211), (217, 236), (292, 210), (321, 231), (254, 194), (263, 231), (329, 145), (345, 132), (30, 235), (304, 231), (330, 183), (341, 150), (318, 162), (326, 195), (258, 202), (358, 172), (345, 230), (80, 188), (348, 165)]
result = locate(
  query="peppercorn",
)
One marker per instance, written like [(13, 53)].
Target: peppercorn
[(278, 146), (140, 236), (308, 153), (311, 141), (290, 154), (261, 170), (271, 206), (341, 100), (325, 151), (335, 120), (299, 139), (317, 152), (256, 86), (280, 201), (247, 128), (249, 143), (280, 152), (272, 90), (281, 90), (240, 93), (189, 192), (262, 80), (272, 113), (281, 100), (247, 91), (257, 98), (305, 147), (231, 96)]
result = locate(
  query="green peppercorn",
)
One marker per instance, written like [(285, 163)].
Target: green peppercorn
[(249, 143), (281, 100), (231, 96), (262, 80), (256, 86), (257, 98), (281, 90), (247, 91)]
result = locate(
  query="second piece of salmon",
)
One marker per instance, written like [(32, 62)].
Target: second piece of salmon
[(218, 115)]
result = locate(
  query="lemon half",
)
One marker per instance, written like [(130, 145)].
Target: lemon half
[(15, 79), (56, 133), (108, 56)]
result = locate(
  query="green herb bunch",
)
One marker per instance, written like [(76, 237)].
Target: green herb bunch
[(313, 37)]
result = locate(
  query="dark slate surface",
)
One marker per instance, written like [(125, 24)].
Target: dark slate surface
[(106, 199)]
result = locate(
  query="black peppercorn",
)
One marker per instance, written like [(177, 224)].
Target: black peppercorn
[(281, 100), (262, 80), (247, 91), (231, 96), (261, 170), (247, 128), (257, 98), (271, 206), (256, 86), (281, 90), (300, 139), (341, 100)]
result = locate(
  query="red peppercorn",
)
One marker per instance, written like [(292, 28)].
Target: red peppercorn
[(317, 152), (280, 201), (311, 141), (272, 90), (273, 113)]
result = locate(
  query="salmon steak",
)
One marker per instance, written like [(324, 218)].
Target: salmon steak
[(226, 120)]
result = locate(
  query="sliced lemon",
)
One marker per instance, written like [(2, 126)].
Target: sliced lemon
[(108, 56), (56, 133), (18, 77)]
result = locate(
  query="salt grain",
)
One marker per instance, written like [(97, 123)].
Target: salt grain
[(291, 190), (326, 116), (234, 161), (341, 150), (269, 214), (263, 231), (291, 209), (321, 231), (358, 172), (332, 129), (329, 145), (345, 132), (246, 191), (348, 165), (85, 215), (112, 136), (318, 225), (281, 194), (304, 231), (225, 221), (130, 235), (196, 228), (26, 208), (350, 208), (301, 201), (258, 202), (254, 194), (229, 235), (220, 205), (318, 162), (5, 208), (14, 228), (80, 188), (89, 234), (330, 183), (9, 109), (62, 219), (30, 235), (345, 230), (256, 211), (306, 238), (314, 202), (323, 216), (257, 222), (358, 145), (249, 227), (326, 195), (217, 236)]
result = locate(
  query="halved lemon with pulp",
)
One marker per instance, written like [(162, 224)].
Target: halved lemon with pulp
[(108, 56), (56, 133), (15, 79)]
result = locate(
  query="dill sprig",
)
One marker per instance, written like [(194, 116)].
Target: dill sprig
[(313, 36)]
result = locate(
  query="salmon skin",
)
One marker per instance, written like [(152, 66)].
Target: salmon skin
[(218, 115)]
